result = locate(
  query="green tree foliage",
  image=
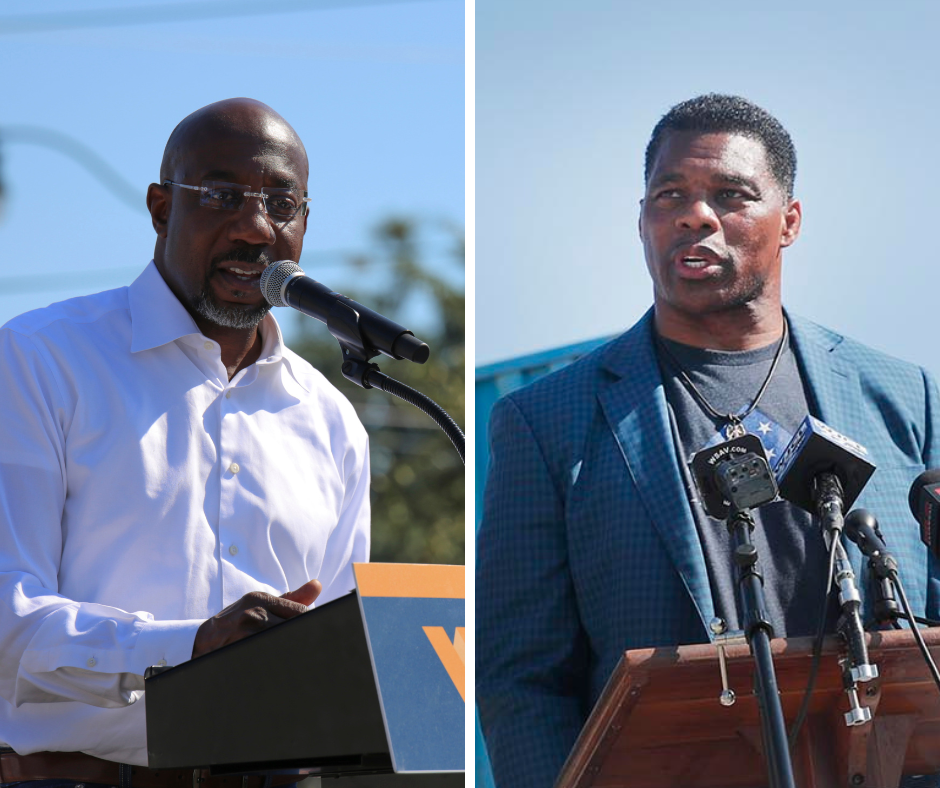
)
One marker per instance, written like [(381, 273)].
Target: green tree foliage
[(417, 475)]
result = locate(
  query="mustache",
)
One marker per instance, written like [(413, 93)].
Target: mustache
[(243, 254)]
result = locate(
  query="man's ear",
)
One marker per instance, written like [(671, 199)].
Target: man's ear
[(158, 203), (792, 219)]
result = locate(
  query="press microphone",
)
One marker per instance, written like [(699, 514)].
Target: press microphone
[(924, 500), (284, 284), (734, 474), (862, 528), (823, 471)]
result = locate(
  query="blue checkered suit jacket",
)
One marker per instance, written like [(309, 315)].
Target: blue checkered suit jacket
[(587, 545)]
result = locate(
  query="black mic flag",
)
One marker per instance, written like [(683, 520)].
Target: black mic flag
[(817, 449), (734, 474)]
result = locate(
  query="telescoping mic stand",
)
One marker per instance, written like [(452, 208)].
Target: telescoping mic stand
[(733, 478), (862, 528), (856, 667)]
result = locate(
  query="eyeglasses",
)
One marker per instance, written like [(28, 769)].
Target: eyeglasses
[(279, 203)]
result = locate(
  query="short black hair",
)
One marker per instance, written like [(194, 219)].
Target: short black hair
[(719, 113)]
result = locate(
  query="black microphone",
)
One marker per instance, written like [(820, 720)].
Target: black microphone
[(924, 500), (284, 284), (862, 528), (822, 471)]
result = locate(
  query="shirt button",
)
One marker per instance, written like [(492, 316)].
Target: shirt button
[(233, 550), (92, 662), (207, 345), (234, 467), (228, 394)]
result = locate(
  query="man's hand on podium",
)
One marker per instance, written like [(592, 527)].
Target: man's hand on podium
[(252, 613)]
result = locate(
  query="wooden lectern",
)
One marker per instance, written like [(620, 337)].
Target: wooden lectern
[(659, 723)]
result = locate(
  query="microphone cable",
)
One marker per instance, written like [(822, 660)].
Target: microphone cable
[(817, 646), (915, 630), (865, 533), (927, 622)]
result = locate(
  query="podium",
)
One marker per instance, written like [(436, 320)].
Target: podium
[(659, 724), (368, 687)]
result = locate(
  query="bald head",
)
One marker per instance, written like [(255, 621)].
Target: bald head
[(211, 254), (236, 118)]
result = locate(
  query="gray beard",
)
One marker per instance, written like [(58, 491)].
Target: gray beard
[(228, 317)]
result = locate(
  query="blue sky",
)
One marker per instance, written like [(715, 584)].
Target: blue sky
[(375, 90), (567, 93)]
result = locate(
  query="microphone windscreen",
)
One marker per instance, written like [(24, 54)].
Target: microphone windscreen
[(929, 477), (924, 500), (273, 278)]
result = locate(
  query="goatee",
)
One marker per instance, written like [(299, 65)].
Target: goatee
[(206, 305)]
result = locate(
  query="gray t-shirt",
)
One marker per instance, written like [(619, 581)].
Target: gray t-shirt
[(792, 551)]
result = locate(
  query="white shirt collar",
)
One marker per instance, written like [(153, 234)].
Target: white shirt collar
[(158, 317)]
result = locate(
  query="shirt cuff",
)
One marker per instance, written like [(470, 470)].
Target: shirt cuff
[(165, 643)]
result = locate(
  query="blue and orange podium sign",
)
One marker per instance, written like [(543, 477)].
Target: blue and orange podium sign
[(365, 685), (414, 620)]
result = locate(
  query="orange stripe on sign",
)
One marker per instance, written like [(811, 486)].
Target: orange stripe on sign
[(450, 654), (429, 581)]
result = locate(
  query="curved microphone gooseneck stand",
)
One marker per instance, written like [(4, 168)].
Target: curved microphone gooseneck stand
[(358, 368), (362, 334), (422, 402)]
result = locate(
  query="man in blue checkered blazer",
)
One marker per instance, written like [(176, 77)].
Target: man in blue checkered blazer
[(588, 545)]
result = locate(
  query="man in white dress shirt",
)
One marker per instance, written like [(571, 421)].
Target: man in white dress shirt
[(164, 457)]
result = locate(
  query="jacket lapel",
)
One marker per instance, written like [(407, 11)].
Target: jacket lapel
[(833, 388), (832, 384), (634, 404)]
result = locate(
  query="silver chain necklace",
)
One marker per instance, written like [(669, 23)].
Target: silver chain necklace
[(735, 427)]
